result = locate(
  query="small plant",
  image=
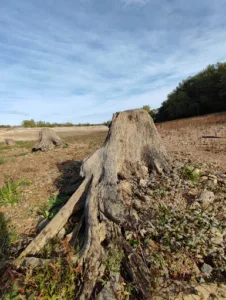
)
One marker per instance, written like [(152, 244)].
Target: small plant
[(114, 259), (53, 281), (9, 194), (160, 192), (49, 210), (190, 173), (2, 160)]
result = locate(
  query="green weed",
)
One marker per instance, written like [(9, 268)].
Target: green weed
[(113, 259), (55, 281), (9, 194), (19, 144), (190, 173), (49, 210), (2, 160)]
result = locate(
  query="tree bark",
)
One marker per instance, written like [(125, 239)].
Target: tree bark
[(132, 150), (48, 140)]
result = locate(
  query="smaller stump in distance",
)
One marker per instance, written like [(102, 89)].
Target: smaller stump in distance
[(48, 140), (10, 142)]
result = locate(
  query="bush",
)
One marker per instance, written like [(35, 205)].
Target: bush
[(29, 123)]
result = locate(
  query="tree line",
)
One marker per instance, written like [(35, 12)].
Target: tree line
[(201, 94), (32, 124)]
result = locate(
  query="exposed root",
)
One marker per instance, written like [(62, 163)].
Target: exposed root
[(57, 223)]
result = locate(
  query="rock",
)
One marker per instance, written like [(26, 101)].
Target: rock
[(213, 178), (42, 224), (207, 269), (144, 171), (196, 171), (217, 237), (206, 198), (195, 205), (137, 204), (204, 178), (111, 289), (35, 262), (149, 192), (143, 183), (209, 183)]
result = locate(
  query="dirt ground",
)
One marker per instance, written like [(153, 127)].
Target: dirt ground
[(55, 172), (45, 170), (28, 134)]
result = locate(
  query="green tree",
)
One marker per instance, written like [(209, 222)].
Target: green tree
[(29, 123), (197, 95), (147, 108)]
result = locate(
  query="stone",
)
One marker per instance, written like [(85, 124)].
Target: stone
[(212, 176), (143, 183), (207, 269), (209, 183), (206, 198), (196, 171), (217, 237), (137, 204), (150, 192), (144, 171), (195, 205)]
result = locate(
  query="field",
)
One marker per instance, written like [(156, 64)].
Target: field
[(42, 181)]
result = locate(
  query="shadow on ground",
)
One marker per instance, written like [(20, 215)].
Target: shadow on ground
[(67, 183), (4, 240)]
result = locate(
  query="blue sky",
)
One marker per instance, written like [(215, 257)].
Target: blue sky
[(82, 60)]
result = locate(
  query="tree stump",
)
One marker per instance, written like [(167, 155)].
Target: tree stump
[(131, 152), (48, 140), (10, 142)]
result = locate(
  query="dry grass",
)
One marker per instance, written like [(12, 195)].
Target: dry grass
[(207, 133), (212, 119)]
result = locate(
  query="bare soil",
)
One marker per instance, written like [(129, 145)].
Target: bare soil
[(44, 170), (50, 172), (28, 134)]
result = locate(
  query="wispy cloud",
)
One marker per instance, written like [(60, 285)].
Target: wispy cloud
[(14, 112), (82, 62), (140, 2)]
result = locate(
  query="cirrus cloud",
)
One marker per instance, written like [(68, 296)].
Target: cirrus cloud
[(82, 62)]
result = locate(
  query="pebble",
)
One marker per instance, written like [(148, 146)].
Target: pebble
[(206, 198), (207, 269), (143, 183)]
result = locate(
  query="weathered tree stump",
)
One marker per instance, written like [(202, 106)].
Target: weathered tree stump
[(132, 150), (10, 142), (48, 140)]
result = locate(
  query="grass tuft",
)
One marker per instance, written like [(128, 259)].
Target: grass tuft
[(189, 172), (2, 160), (9, 193)]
